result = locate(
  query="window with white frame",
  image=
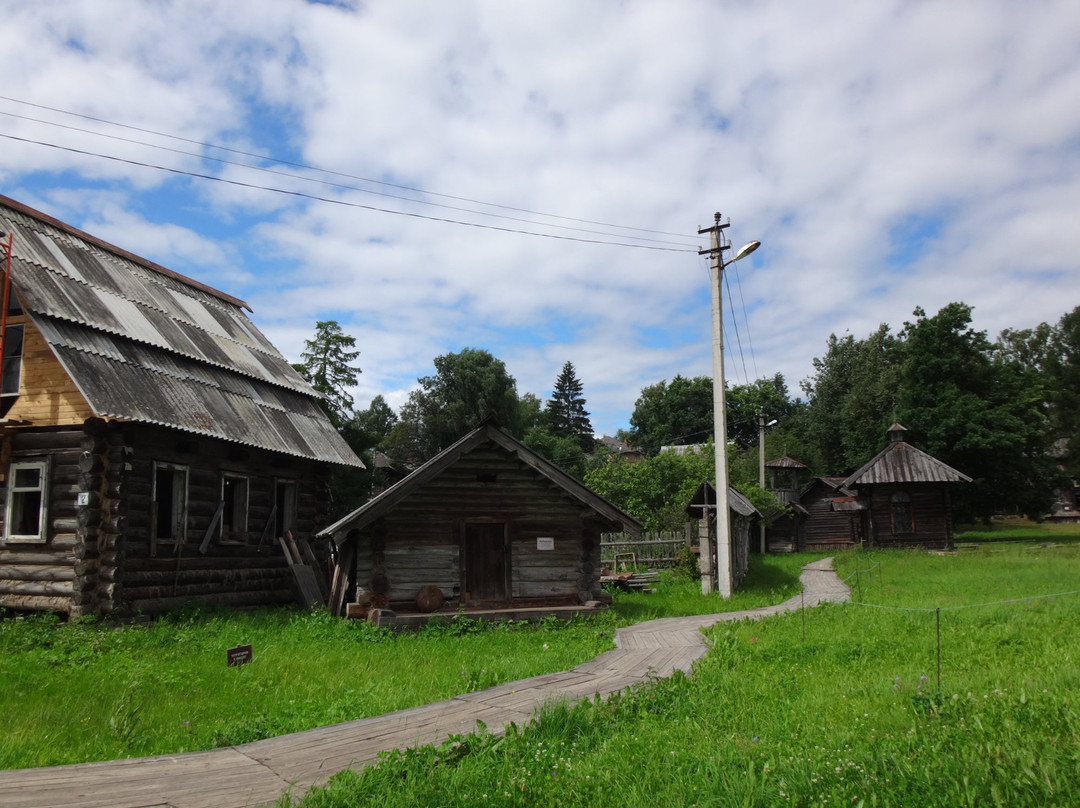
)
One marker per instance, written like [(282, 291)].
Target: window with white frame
[(25, 514), (234, 507), (170, 502)]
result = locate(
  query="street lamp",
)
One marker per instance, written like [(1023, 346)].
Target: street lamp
[(717, 245)]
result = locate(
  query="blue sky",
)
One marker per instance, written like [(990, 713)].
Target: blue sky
[(888, 155)]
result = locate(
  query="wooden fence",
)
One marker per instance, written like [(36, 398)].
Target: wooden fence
[(653, 549)]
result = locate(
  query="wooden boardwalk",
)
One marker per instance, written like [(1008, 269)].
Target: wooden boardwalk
[(258, 773)]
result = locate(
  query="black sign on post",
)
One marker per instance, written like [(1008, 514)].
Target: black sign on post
[(240, 655)]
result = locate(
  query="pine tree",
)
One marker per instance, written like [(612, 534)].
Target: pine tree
[(326, 366), (565, 414)]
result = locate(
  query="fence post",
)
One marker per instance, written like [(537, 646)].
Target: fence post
[(938, 614)]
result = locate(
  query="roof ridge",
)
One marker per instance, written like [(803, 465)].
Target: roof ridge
[(119, 251)]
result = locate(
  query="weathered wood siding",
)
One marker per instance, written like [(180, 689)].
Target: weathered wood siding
[(419, 542), (47, 395), (931, 514), (99, 557), (825, 528)]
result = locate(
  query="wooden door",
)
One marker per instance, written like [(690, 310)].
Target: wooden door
[(486, 562)]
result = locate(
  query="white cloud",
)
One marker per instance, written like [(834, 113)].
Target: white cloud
[(832, 134)]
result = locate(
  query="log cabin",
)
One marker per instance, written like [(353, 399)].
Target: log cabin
[(741, 516), (486, 524), (153, 443), (905, 496)]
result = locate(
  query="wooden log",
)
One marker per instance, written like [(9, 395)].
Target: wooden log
[(51, 440), (46, 588), (26, 572), (161, 604), (157, 578), (93, 444), (91, 463), (37, 603), (16, 557)]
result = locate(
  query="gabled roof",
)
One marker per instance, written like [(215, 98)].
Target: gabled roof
[(488, 432), (900, 462), (705, 498), (785, 462), (145, 344)]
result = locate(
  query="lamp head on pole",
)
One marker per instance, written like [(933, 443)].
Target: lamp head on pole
[(744, 251)]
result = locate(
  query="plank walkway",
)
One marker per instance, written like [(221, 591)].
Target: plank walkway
[(258, 773)]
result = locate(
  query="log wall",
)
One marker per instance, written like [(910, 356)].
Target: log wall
[(419, 542), (931, 514), (98, 557), (48, 575)]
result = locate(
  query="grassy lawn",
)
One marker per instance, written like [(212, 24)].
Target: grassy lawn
[(1015, 528), (84, 691), (842, 710)]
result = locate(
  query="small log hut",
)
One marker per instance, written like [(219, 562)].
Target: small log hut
[(905, 496), (153, 443), (741, 516), (485, 524)]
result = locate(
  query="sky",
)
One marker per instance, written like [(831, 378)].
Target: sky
[(529, 178)]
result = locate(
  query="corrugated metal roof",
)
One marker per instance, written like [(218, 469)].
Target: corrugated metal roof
[(62, 277), (144, 345), (900, 462)]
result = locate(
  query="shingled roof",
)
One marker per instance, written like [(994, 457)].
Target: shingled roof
[(900, 462), (145, 344)]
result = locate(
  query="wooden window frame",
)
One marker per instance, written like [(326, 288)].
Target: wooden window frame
[(10, 359), (292, 502), (241, 510), (178, 510), (895, 505), (44, 466)]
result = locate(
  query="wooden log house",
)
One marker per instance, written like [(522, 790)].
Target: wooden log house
[(153, 443), (486, 524), (905, 496)]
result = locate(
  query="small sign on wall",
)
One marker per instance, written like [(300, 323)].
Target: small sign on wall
[(83, 498), (545, 542)]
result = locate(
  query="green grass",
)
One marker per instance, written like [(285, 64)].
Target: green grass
[(83, 691), (843, 709), (1019, 529)]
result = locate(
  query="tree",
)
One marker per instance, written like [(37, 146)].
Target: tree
[(327, 368), (679, 412), (984, 417), (657, 490), (364, 432), (746, 401), (566, 453), (467, 388), (565, 415), (852, 398), (1063, 389)]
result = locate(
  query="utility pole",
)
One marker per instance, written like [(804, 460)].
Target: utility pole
[(717, 245), (761, 469)]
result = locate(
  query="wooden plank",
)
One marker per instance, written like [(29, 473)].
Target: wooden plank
[(310, 596)]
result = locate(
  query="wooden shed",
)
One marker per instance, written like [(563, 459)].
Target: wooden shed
[(832, 518), (905, 496), (741, 516), (488, 524), (153, 443)]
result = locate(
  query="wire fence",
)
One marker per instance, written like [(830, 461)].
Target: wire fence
[(873, 574)]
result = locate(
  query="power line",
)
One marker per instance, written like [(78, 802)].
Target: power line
[(314, 197), (326, 182), (307, 167)]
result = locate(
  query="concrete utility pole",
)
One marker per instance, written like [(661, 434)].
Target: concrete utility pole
[(717, 245)]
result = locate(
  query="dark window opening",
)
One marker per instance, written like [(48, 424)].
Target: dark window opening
[(11, 368), (902, 520)]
